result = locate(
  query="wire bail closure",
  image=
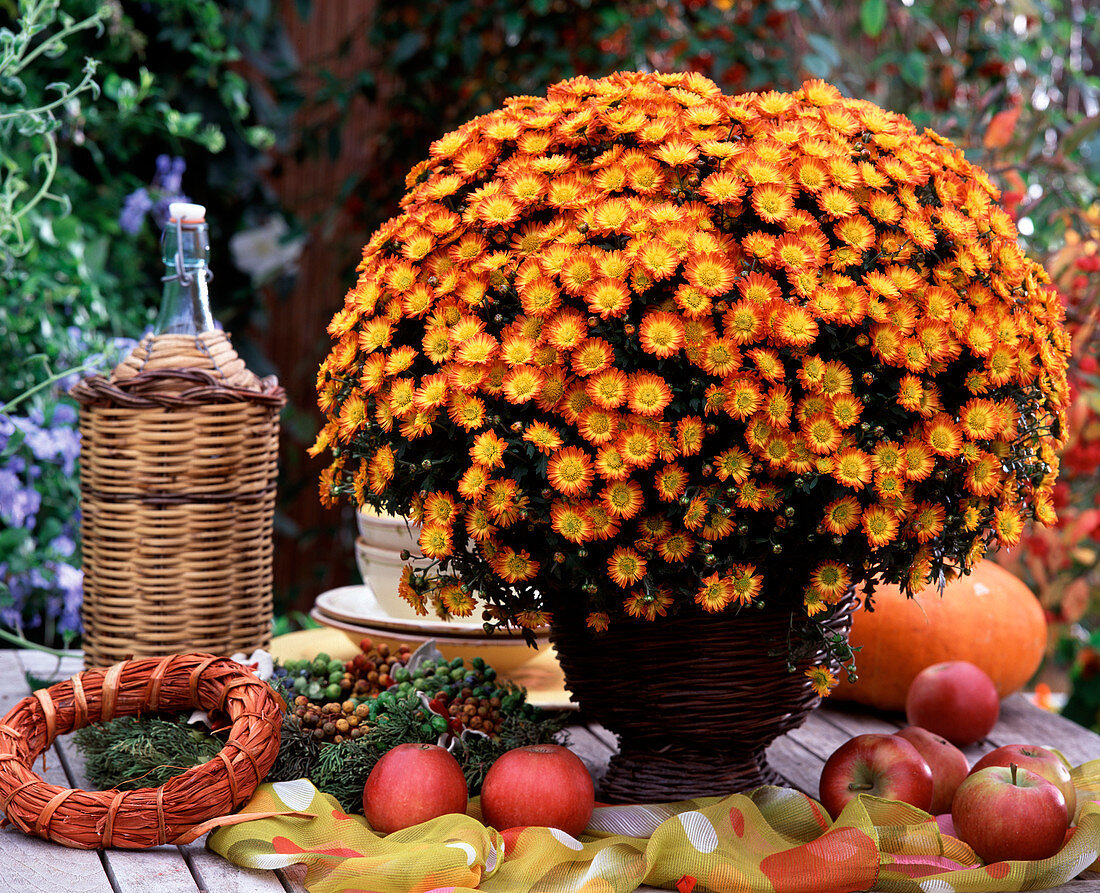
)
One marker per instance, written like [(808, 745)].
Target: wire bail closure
[(182, 275)]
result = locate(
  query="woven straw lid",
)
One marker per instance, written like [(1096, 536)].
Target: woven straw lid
[(209, 352)]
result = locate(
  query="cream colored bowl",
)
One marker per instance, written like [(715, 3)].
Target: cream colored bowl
[(387, 531), (381, 569)]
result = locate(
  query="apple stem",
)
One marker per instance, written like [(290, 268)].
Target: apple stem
[(1012, 769), (860, 786)]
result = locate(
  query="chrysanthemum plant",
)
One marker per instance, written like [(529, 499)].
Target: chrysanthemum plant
[(639, 347)]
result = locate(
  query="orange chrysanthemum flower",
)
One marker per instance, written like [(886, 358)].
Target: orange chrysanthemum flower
[(773, 202), (609, 388), (926, 521), (514, 566), (623, 499), (566, 329), (598, 426), (852, 468), (822, 679), (880, 525), (435, 540), (918, 461), (943, 436), (570, 471), (711, 273), (591, 356), (638, 446), (744, 322), (821, 434), (715, 593), (571, 522), (743, 398), (661, 334), (625, 566), (648, 394), (832, 580)]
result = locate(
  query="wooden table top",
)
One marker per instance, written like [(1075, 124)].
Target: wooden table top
[(31, 865)]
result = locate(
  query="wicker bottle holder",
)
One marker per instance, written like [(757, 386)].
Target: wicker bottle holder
[(178, 466), (694, 699)]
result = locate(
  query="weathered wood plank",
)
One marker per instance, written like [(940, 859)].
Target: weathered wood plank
[(819, 737), (800, 766), (13, 688), (159, 869), (1021, 722), (49, 668), (37, 866), (856, 721), (32, 865), (217, 875)]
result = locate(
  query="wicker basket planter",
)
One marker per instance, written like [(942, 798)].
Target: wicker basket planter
[(693, 699), (179, 459)]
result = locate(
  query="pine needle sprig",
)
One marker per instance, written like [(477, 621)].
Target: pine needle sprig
[(129, 753), (298, 753)]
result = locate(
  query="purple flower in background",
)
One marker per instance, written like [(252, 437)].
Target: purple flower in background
[(168, 183), (18, 504), (71, 583), (11, 616), (52, 444), (166, 187), (134, 208), (63, 545)]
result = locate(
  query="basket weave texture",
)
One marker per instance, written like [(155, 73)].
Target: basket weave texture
[(172, 813), (178, 470), (695, 699)]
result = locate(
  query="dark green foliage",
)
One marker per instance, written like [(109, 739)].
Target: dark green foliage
[(298, 752), (1083, 705), (131, 753)]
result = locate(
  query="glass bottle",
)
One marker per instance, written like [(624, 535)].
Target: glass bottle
[(185, 243)]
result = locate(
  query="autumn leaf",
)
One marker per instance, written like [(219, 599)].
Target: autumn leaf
[(1000, 128)]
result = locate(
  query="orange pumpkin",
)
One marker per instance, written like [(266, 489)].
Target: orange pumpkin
[(989, 618)]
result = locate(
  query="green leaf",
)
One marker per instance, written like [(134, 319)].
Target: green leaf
[(872, 17), (825, 49), (913, 69), (15, 441), (407, 47), (1078, 134), (12, 538)]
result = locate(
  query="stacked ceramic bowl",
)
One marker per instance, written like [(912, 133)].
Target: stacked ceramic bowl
[(375, 610)]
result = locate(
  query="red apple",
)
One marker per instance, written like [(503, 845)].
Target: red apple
[(1040, 760), (949, 765), (541, 784), (954, 699), (1005, 812), (883, 765), (413, 783)]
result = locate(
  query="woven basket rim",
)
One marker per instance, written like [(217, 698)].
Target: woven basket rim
[(149, 816), (140, 391)]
